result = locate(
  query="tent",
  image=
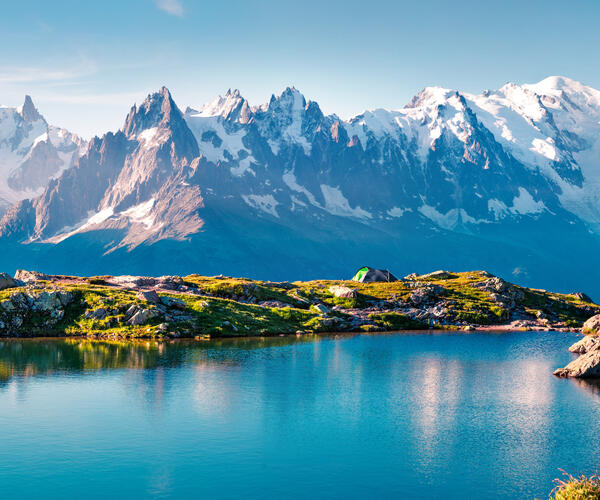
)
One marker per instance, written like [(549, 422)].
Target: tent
[(369, 275)]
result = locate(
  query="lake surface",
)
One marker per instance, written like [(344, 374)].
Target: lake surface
[(450, 415)]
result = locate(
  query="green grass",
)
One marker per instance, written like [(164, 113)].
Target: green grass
[(228, 307)]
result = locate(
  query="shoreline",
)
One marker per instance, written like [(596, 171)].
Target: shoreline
[(170, 307)]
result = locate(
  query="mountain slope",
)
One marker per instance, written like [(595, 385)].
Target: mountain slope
[(31, 152), (507, 180)]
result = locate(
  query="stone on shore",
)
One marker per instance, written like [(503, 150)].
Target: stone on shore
[(585, 366), (586, 344), (592, 325)]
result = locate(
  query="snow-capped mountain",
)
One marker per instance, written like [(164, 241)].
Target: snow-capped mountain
[(508, 180), (31, 152)]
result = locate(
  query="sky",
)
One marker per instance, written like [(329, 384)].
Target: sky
[(86, 63)]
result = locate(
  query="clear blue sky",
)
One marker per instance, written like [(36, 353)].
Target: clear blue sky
[(85, 63)]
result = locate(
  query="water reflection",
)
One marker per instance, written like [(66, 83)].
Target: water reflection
[(28, 358)]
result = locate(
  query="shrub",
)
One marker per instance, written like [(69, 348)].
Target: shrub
[(577, 488)]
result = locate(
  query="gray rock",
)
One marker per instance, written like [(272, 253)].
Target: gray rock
[(6, 281), (583, 297), (99, 313), (586, 344), (322, 308), (441, 275), (149, 296), (273, 303), (343, 292), (173, 302), (133, 308), (585, 366), (143, 316), (592, 325), (29, 276), (169, 282), (46, 301)]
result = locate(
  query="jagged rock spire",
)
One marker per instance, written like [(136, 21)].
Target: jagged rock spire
[(29, 112)]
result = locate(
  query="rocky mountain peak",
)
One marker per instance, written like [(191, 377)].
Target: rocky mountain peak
[(29, 112), (232, 106), (157, 110)]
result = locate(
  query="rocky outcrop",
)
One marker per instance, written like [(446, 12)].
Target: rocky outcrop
[(592, 325), (585, 366), (37, 310), (586, 344)]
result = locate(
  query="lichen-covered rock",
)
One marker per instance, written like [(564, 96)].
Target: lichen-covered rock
[(143, 316), (424, 294), (45, 301), (173, 302), (98, 313), (586, 344), (321, 308), (343, 292), (592, 325), (585, 366)]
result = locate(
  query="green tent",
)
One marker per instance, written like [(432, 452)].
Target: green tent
[(368, 275)]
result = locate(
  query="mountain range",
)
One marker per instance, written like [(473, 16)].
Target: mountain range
[(507, 180)]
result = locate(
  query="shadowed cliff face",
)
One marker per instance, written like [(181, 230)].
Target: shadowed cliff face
[(504, 180)]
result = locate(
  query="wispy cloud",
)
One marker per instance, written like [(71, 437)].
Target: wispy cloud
[(41, 74), (173, 7)]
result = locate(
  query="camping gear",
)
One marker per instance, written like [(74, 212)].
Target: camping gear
[(370, 275)]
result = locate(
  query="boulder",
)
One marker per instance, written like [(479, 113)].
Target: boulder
[(149, 296), (583, 297), (46, 301), (585, 366), (273, 303), (143, 316), (99, 313), (28, 276), (343, 292), (6, 281), (424, 294), (321, 308), (586, 344), (592, 325), (169, 282), (173, 302), (440, 275)]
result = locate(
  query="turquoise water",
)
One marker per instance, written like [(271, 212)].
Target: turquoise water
[(369, 416)]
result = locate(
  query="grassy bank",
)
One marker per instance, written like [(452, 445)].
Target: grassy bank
[(224, 306)]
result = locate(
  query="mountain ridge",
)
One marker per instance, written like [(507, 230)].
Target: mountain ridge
[(513, 168)]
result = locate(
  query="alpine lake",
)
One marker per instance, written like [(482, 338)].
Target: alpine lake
[(404, 415)]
